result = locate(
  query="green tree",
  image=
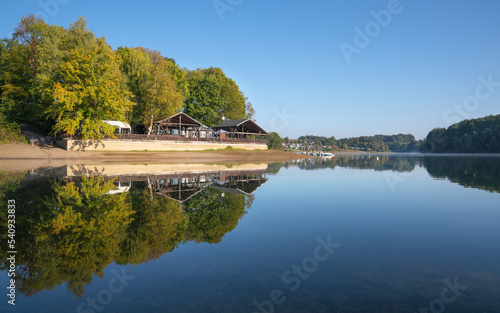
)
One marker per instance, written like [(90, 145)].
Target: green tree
[(89, 90), (29, 66), (135, 67), (213, 96), (21, 63), (274, 141), (157, 83), (162, 95), (480, 135)]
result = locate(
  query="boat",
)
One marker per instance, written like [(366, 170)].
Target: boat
[(327, 155)]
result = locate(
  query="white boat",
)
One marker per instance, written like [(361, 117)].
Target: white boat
[(327, 155)]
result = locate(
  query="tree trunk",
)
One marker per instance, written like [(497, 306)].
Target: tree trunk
[(150, 126)]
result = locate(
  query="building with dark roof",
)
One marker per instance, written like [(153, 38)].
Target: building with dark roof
[(181, 125), (242, 128)]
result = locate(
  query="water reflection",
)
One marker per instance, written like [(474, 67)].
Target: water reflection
[(471, 172), (479, 172), (71, 227), (400, 163), (74, 221)]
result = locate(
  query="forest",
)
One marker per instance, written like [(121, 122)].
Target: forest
[(481, 135), (380, 143), (66, 79)]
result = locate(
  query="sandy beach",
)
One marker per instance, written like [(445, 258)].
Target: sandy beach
[(17, 157)]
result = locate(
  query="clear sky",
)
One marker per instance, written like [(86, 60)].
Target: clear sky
[(414, 64)]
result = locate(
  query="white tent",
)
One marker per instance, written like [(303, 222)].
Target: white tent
[(120, 126)]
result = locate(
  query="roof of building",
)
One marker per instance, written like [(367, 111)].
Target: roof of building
[(231, 123), (181, 117), (248, 124)]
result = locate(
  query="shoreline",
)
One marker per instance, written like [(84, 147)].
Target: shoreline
[(19, 157)]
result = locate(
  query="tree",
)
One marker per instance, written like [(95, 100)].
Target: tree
[(434, 140), (21, 62), (213, 96), (33, 55), (157, 83), (249, 109), (89, 90), (162, 95), (274, 141), (135, 67), (468, 136)]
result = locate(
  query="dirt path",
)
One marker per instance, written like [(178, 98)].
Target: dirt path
[(25, 156)]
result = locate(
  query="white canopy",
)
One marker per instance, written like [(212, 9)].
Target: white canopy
[(119, 125)]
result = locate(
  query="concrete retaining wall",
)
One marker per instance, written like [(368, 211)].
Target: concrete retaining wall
[(156, 169), (156, 145)]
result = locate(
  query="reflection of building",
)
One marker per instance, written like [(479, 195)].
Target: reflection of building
[(121, 187), (241, 184), (183, 186), (176, 181)]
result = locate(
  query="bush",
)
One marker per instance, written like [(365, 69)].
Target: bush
[(10, 129), (11, 132)]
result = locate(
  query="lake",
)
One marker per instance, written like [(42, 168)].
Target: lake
[(355, 233)]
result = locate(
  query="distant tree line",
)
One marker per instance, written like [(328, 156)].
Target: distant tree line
[(481, 135), (67, 80), (380, 143)]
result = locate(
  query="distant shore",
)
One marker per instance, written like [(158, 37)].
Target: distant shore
[(17, 157)]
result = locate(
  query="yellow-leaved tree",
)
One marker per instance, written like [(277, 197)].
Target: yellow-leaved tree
[(89, 89)]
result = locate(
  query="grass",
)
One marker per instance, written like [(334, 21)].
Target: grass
[(11, 135)]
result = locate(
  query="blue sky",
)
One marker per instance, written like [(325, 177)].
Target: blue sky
[(427, 66)]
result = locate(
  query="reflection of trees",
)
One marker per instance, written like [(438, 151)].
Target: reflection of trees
[(9, 181), (374, 162), (212, 214), (155, 229), (274, 168), (68, 232), (471, 172), (69, 235), (468, 171)]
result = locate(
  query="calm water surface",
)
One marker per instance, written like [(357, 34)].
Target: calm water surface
[(357, 233)]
